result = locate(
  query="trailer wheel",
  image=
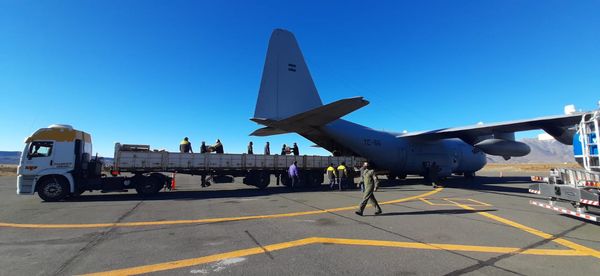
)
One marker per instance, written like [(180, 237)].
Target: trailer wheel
[(315, 179), (53, 189), (263, 179), (148, 185), (285, 180)]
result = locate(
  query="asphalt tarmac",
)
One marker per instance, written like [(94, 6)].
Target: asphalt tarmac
[(480, 227)]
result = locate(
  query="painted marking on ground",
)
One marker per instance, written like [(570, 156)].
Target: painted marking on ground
[(577, 247), (319, 240), (204, 221), (454, 202)]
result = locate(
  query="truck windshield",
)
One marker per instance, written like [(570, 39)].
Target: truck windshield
[(40, 149)]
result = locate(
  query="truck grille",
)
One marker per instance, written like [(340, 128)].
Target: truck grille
[(25, 184)]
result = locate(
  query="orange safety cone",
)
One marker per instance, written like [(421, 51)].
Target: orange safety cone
[(173, 182)]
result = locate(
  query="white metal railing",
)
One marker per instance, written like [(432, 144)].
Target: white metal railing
[(587, 127)]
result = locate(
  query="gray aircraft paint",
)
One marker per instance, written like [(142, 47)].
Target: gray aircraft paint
[(288, 101)]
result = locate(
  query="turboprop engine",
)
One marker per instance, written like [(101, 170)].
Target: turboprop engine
[(503, 147)]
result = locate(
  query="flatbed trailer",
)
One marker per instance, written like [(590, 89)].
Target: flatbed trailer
[(57, 162), (255, 168)]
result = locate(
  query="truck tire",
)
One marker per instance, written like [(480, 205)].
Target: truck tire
[(148, 185), (53, 189)]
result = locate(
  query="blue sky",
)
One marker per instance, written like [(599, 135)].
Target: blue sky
[(152, 72)]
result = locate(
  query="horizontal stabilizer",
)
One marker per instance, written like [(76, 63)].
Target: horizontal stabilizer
[(268, 131), (316, 117)]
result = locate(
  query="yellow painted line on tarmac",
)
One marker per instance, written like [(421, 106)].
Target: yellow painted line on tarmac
[(197, 221), (453, 202), (456, 201), (318, 240), (577, 247)]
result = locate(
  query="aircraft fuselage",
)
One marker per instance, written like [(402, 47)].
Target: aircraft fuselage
[(405, 155)]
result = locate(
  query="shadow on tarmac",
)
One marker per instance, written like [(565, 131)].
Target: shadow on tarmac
[(479, 183), (193, 194), (436, 212), (490, 184)]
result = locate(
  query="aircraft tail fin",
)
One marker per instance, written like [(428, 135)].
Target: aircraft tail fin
[(309, 120), (286, 88)]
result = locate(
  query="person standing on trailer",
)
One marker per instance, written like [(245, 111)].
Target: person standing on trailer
[(185, 146), (218, 147), (267, 149), (369, 179), (332, 175), (250, 149), (295, 149), (342, 174), (283, 150), (203, 148), (293, 174)]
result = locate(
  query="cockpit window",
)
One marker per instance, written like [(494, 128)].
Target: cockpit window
[(40, 149)]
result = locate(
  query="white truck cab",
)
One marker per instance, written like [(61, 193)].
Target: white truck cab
[(50, 161)]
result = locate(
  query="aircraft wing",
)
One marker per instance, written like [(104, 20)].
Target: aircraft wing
[(554, 125)]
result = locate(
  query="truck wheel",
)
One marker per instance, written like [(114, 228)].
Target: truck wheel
[(52, 189), (148, 185)]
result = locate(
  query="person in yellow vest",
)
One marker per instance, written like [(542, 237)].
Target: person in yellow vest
[(342, 174), (332, 175), (185, 146)]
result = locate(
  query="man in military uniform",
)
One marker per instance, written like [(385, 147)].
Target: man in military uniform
[(369, 179)]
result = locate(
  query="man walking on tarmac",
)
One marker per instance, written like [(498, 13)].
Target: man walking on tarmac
[(185, 146), (369, 179), (293, 173)]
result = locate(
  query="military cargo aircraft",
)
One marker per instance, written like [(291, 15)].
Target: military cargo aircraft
[(288, 102)]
